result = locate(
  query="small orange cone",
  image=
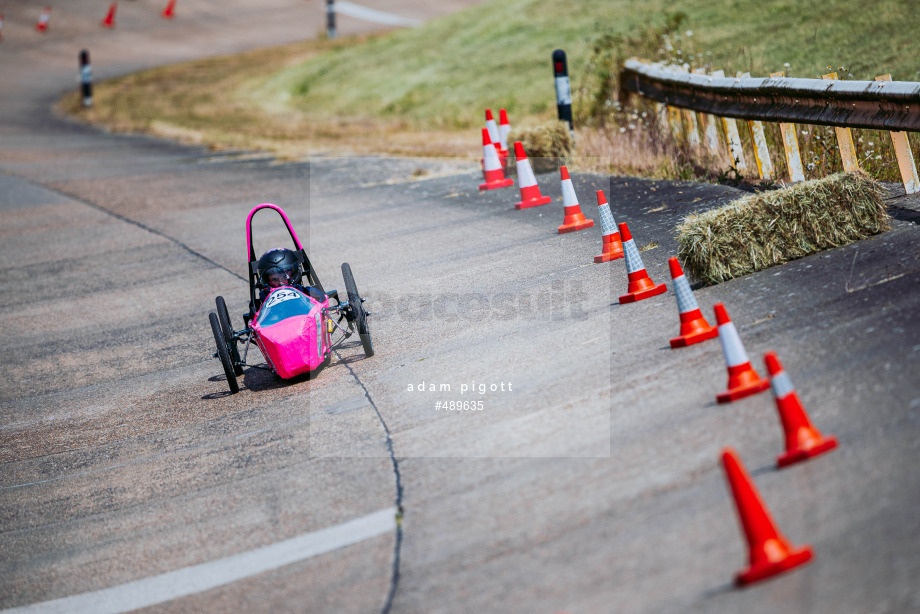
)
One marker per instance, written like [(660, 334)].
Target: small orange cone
[(527, 181), (170, 11), (803, 440), (613, 244), (693, 326), (770, 553), (109, 21), (491, 167), (42, 25), (574, 219), (743, 380), (641, 285)]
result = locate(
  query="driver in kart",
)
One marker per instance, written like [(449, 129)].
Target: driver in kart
[(280, 267)]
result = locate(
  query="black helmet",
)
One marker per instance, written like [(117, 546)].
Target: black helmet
[(279, 267)]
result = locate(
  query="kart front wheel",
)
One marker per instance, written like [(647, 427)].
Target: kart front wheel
[(357, 310), (224, 317), (223, 353)]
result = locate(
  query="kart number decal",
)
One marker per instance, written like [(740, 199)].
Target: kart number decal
[(279, 296)]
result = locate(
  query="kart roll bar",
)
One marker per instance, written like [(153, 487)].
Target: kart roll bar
[(301, 253)]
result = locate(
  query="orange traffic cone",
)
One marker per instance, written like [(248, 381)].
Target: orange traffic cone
[(491, 167), (42, 25), (527, 181), (743, 380), (495, 135), (770, 552), (641, 285), (693, 326), (170, 11), (802, 439), (503, 129), (109, 21), (574, 219), (613, 244)]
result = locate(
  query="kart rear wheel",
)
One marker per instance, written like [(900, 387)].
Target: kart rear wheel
[(357, 310), (224, 317), (223, 353)]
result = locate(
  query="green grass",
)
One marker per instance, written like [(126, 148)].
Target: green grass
[(423, 90), (498, 54)]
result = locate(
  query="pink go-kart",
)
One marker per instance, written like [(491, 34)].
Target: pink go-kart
[(296, 328)]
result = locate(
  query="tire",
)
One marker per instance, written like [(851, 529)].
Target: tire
[(224, 317), (223, 353), (357, 310)]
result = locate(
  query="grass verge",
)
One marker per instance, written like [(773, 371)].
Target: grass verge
[(769, 228), (422, 91)]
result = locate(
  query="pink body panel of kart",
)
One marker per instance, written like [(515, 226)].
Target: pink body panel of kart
[(295, 344)]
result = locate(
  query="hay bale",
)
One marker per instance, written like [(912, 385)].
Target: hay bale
[(769, 228), (548, 145)]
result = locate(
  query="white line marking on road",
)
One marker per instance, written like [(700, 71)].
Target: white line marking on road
[(343, 7), (199, 578)]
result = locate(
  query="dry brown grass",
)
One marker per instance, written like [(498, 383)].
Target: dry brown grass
[(238, 102), (231, 102), (769, 228), (643, 150)]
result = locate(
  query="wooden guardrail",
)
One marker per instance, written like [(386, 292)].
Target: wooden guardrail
[(880, 104)]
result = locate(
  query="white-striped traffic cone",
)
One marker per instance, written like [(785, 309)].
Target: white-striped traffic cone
[(494, 134), (493, 130), (803, 440), (42, 25), (574, 219), (503, 129), (491, 166), (693, 326), (613, 244), (641, 285), (527, 181), (743, 380)]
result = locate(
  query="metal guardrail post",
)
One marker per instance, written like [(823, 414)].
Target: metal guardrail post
[(710, 129), (761, 151), (791, 147), (759, 143), (677, 129), (693, 130), (844, 139), (732, 137), (904, 155), (661, 114)]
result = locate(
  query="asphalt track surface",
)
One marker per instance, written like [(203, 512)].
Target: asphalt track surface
[(592, 485)]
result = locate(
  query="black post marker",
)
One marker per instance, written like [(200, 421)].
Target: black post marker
[(330, 19), (86, 79), (563, 87)]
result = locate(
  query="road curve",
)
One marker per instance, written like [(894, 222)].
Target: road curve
[(587, 483)]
